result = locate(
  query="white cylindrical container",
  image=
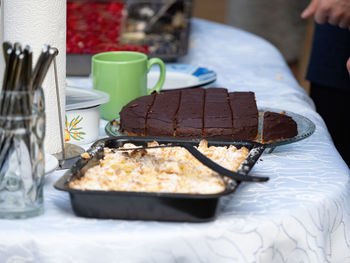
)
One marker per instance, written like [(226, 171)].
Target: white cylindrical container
[(82, 120)]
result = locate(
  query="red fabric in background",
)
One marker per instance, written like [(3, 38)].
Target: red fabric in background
[(94, 27)]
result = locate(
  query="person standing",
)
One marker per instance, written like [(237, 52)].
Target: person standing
[(329, 68)]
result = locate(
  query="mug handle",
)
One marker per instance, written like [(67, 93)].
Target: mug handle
[(160, 82)]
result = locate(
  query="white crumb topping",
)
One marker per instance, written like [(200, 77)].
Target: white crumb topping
[(169, 169)]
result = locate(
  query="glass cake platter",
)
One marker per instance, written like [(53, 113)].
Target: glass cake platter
[(305, 128)]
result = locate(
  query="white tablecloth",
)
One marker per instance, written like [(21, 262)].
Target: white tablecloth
[(301, 215)]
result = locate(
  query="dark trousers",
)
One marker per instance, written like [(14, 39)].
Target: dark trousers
[(334, 107)]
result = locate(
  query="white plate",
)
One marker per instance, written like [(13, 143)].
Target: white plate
[(51, 163), (180, 76)]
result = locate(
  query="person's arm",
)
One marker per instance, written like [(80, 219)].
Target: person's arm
[(335, 12)]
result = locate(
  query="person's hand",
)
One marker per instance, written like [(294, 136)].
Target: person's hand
[(335, 12)]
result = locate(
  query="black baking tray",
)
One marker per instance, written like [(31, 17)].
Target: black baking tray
[(149, 205)]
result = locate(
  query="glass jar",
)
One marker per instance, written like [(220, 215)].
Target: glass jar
[(22, 160)]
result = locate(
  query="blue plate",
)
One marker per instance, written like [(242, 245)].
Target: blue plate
[(181, 76)]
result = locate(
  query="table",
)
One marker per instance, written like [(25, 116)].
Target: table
[(301, 215)]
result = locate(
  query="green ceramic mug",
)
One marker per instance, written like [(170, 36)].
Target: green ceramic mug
[(123, 75)]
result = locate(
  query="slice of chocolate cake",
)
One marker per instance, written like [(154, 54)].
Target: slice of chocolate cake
[(215, 95), (244, 116), (189, 120), (277, 126), (161, 116), (133, 115), (217, 122)]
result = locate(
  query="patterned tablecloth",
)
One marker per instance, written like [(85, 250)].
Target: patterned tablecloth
[(301, 215)]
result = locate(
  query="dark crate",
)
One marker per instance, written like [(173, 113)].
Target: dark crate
[(165, 42)]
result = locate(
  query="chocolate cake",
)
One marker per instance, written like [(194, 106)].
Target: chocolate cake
[(160, 120), (244, 115), (217, 117), (189, 121), (134, 114), (278, 126), (197, 113)]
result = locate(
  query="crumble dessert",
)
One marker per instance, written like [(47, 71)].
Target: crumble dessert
[(168, 169)]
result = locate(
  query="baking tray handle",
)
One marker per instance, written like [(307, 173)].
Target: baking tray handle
[(219, 169)]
